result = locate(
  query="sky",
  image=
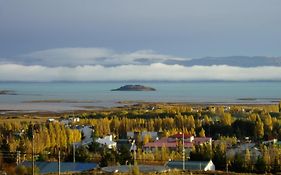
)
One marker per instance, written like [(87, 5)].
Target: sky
[(131, 40)]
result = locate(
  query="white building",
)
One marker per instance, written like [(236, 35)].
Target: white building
[(193, 165), (107, 141), (70, 120)]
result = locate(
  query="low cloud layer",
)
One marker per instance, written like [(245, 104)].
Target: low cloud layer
[(157, 71), (71, 57), (101, 64)]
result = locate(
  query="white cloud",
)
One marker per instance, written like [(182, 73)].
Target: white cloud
[(92, 56), (100, 64), (157, 71)]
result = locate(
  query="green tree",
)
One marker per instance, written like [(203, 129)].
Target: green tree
[(108, 158), (260, 165), (124, 156), (82, 154), (237, 164), (219, 157)]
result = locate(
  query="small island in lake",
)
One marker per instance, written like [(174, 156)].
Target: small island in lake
[(134, 88), (7, 92)]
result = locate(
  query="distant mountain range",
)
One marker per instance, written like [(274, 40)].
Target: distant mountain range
[(240, 61)]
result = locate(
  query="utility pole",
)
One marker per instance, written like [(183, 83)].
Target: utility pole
[(73, 152), (59, 163), (183, 152), (33, 163)]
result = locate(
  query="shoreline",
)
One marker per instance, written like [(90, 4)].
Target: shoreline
[(64, 110)]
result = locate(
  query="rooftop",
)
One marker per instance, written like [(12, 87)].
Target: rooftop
[(52, 167)]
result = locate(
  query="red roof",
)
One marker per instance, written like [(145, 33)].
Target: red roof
[(167, 142), (164, 142), (201, 139)]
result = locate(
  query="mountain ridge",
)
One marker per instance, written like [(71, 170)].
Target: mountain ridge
[(239, 61)]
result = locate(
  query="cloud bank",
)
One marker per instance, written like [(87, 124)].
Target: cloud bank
[(92, 56), (156, 71), (101, 64)]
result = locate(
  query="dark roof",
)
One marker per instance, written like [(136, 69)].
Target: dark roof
[(189, 165), (128, 168), (165, 142), (52, 167)]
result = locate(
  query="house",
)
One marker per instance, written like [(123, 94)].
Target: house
[(173, 142), (241, 148), (65, 167), (70, 120), (51, 120), (156, 169), (87, 132), (272, 141), (107, 141), (165, 142), (134, 135), (192, 165)]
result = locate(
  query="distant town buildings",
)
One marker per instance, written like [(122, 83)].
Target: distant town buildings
[(107, 141), (173, 142)]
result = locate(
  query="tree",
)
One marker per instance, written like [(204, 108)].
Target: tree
[(21, 170), (190, 122), (8, 157), (82, 154), (124, 156), (276, 165), (220, 156), (237, 164), (207, 120), (146, 139), (260, 165), (247, 160), (259, 128), (226, 119), (114, 125), (202, 133), (164, 153), (108, 158), (135, 169)]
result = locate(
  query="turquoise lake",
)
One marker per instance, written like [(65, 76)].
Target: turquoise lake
[(57, 96)]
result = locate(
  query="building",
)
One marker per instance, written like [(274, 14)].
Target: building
[(135, 135), (51, 120), (173, 142), (107, 141), (192, 165), (70, 120), (65, 167), (128, 168)]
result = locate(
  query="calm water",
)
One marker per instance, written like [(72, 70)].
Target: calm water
[(78, 95)]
